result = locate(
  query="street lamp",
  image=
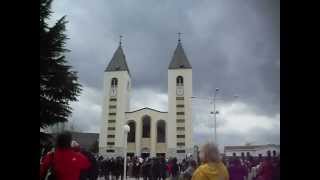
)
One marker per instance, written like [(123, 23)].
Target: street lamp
[(215, 114), (126, 130), (212, 100)]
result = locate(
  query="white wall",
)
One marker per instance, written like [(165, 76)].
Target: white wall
[(155, 117), (122, 106), (263, 151), (187, 80)]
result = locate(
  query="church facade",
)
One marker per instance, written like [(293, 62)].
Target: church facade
[(152, 132)]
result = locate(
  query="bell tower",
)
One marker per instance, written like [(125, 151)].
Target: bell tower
[(116, 89), (179, 94)]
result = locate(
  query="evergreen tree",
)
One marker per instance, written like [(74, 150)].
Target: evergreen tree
[(58, 83)]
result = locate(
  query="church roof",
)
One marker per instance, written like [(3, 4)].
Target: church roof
[(179, 59), (118, 61), (148, 109)]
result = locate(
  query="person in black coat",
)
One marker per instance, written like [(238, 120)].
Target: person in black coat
[(175, 169), (105, 168), (146, 167), (162, 169), (92, 172), (136, 168), (117, 168), (113, 168), (155, 173)]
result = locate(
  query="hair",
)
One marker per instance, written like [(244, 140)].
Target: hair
[(211, 153), (64, 140)]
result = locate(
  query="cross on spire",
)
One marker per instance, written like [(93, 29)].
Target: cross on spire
[(179, 36), (120, 42)]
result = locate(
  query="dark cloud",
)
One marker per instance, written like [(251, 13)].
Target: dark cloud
[(232, 45)]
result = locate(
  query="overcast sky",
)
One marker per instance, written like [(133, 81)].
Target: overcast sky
[(232, 45)]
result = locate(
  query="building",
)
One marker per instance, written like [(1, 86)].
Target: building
[(85, 140), (152, 132), (252, 150)]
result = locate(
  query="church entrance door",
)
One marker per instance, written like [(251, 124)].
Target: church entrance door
[(161, 155), (145, 155)]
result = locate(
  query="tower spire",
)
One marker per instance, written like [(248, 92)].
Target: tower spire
[(179, 36), (179, 59), (120, 41)]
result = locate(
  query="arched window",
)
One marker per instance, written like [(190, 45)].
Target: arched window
[(274, 153), (114, 82), (132, 132), (179, 81), (242, 154), (146, 124), (161, 131), (269, 153)]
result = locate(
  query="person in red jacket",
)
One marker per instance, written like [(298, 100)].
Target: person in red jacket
[(265, 171), (66, 163)]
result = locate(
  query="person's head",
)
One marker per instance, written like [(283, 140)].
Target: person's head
[(76, 146), (174, 160), (64, 140), (209, 153)]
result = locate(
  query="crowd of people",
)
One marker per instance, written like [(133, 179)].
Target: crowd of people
[(254, 168), (67, 161)]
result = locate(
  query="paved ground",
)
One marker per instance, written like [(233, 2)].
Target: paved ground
[(120, 179)]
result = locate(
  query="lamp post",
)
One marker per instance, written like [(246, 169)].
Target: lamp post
[(126, 130), (214, 111)]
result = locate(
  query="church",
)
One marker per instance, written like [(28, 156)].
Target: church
[(152, 132)]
